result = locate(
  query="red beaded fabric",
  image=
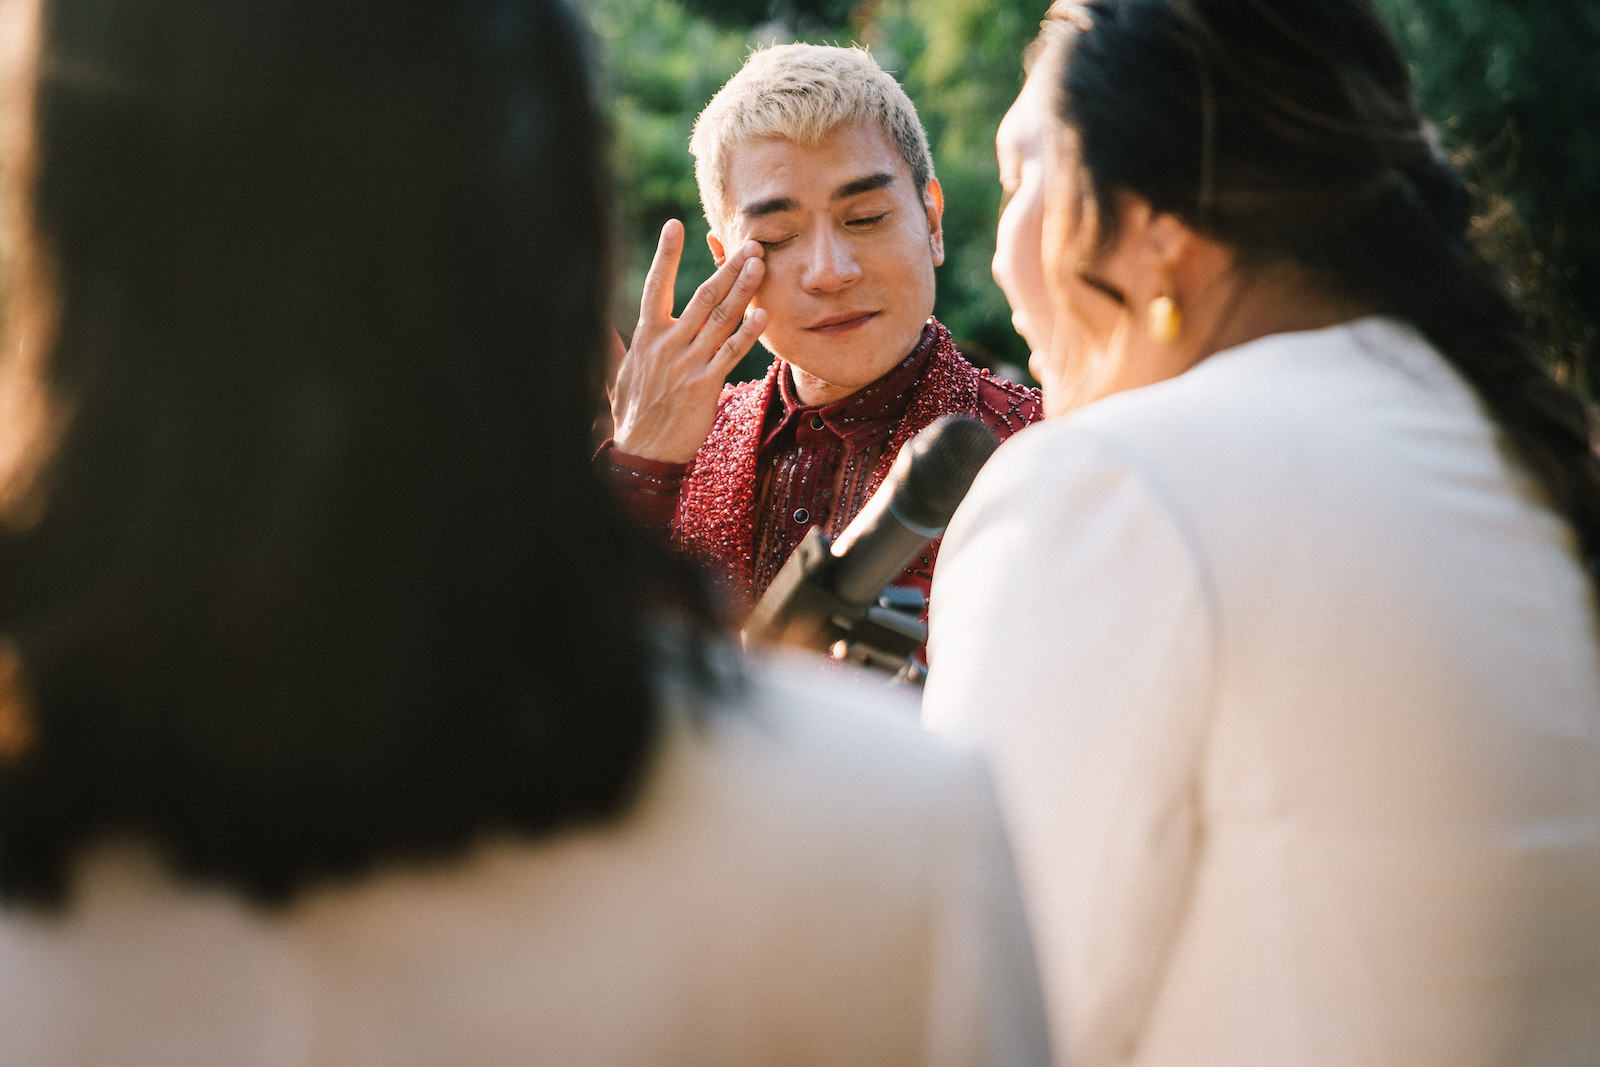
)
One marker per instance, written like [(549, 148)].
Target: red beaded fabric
[(772, 468)]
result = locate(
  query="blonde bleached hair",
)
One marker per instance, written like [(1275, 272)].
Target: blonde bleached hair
[(801, 92)]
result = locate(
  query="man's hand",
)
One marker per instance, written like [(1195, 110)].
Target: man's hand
[(665, 396)]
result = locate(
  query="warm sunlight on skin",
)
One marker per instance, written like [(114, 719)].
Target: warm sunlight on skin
[(1064, 321), (1083, 307), (850, 250), (1018, 265)]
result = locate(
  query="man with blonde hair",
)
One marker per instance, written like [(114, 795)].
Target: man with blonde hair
[(824, 216)]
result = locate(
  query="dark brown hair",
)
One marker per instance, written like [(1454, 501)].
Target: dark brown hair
[(1289, 131), (321, 577)]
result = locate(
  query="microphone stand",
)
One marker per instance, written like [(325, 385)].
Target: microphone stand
[(800, 608)]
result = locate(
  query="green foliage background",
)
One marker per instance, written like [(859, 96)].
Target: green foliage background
[(661, 61), (1514, 88)]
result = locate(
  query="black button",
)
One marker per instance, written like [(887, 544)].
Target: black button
[(802, 516), (816, 422)]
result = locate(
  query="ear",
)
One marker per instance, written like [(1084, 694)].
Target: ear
[(1168, 239), (718, 253), (1150, 247), (933, 204)]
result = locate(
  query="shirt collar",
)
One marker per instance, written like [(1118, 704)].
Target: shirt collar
[(866, 416)]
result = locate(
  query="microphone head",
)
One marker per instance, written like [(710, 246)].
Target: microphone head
[(940, 463)]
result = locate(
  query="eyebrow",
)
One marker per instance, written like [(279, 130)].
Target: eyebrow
[(779, 204)]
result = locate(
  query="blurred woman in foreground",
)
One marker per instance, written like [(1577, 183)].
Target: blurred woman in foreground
[(336, 723), (1283, 638)]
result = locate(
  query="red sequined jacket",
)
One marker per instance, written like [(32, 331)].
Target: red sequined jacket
[(771, 467)]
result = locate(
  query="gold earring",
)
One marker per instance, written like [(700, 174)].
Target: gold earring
[(1165, 320)]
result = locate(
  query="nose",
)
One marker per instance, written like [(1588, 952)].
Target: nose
[(830, 263), (1000, 268)]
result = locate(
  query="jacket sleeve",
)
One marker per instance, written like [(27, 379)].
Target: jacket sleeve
[(1072, 638), (984, 1001), (647, 490)]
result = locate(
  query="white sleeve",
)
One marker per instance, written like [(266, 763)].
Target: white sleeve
[(984, 1002), (1071, 637)]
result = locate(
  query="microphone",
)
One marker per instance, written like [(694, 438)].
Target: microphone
[(828, 592)]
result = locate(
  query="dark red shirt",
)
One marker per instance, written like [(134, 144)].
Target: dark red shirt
[(813, 456), (773, 467)]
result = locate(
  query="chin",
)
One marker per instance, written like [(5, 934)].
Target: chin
[(1036, 365), (854, 367), (1023, 328)]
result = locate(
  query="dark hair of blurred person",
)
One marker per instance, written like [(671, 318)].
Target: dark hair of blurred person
[(341, 721), (304, 578)]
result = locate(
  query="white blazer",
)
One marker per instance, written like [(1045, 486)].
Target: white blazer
[(803, 881), (1291, 687)]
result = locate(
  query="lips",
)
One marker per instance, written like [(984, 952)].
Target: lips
[(842, 323)]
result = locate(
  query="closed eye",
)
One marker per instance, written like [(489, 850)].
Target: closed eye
[(769, 245), (867, 223)]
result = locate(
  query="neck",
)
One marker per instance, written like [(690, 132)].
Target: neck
[(1239, 307), (817, 392)]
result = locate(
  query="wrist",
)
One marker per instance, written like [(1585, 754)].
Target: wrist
[(647, 489), (655, 450)]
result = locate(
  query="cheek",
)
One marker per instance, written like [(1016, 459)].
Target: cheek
[(768, 294), (1093, 316), (1089, 314)]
